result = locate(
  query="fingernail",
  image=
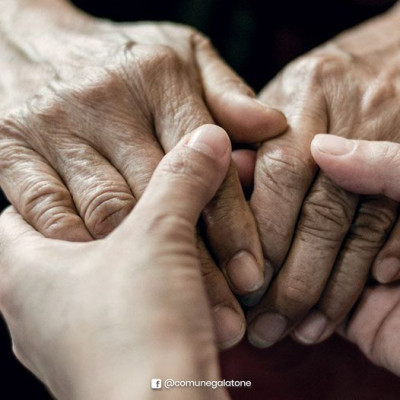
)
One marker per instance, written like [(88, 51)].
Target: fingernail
[(210, 140), (267, 329), (311, 329), (229, 327), (243, 273), (333, 145), (388, 270), (251, 300)]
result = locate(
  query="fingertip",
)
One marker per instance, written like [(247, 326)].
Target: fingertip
[(211, 140), (387, 270), (332, 145), (248, 120), (244, 273), (230, 327), (245, 161), (311, 328), (275, 115)]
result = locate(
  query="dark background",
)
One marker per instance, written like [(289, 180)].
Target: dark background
[(257, 38)]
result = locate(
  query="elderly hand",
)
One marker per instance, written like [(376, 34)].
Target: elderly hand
[(98, 320), (88, 108), (321, 240), (371, 168)]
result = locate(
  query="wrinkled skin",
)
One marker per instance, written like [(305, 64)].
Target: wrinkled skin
[(368, 167), (99, 320), (96, 109), (320, 239)]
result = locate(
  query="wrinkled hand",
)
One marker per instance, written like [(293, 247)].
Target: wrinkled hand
[(369, 168), (321, 240), (88, 108), (98, 320)]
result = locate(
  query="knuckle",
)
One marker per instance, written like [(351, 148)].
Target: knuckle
[(379, 97), (320, 66), (58, 221), (105, 211), (340, 297), (158, 58), (178, 167), (46, 106), (327, 213), (217, 289), (188, 168), (174, 228), (201, 41), (296, 297), (73, 106), (46, 204), (164, 55), (284, 169), (375, 219), (228, 207)]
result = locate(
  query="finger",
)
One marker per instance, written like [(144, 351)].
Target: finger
[(386, 268), (16, 235), (239, 255), (193, 171), (284, 172), (232, 102), (101, 195), (229, 321), (136, 156), (369, 230), (135, 152), (38, 193), (325, 218), (358, 165), (228, 215), (245, 162)]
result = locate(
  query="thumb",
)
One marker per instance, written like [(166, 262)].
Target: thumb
[(360, 166), (14, 229), (17, 239), (232, 102), (186, 179)]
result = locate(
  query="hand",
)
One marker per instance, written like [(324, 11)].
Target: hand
[(98, 320), (369, 168), (320, 239), (98, 106)]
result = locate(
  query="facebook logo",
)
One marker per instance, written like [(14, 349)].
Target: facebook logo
[(156, 384)]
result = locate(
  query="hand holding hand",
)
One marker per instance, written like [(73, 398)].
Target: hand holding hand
[(99, 105), (370, 168), (98, 320), (320, 239)]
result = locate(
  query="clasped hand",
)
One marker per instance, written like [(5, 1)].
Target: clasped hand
[(79, 145)]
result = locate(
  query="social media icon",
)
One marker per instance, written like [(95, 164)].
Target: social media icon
[(156, 384)]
